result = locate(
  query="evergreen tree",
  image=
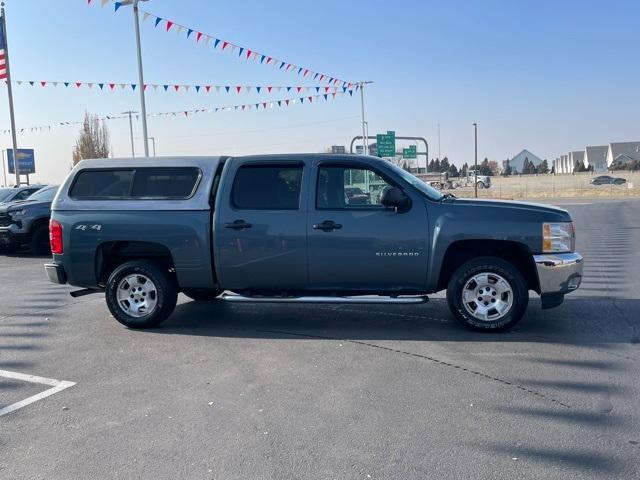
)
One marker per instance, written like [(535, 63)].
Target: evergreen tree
[(453, 171), (507, 168), (464, 169), (543, 167), (444, 165)]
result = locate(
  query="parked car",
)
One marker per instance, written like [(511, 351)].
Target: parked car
[(15, 194), (278, 228), (608, 180), (26, 222)]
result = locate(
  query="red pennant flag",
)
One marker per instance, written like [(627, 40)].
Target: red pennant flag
[(287, 101), (248, 53), (269, 60), (243, 107), (298, 89), (326, 89), (321, 77), (176, 87), (169, 25), (264, 104), (198, 37), (112, 86), (145, 87), (288, 67), (310, 99), (269, 89), (305, 72), (224, 45), (334, 94), (78, 84), (207, 88), (43, 83), (238, 89)]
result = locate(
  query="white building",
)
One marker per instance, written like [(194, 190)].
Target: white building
[(517, 162), (622, 152), (596, 158)]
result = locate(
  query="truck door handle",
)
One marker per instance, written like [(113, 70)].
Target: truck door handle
[(238, 225), (327, 226)]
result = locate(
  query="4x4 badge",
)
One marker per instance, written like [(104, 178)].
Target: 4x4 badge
[(84, 227)]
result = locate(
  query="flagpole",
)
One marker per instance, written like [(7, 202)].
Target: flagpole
[(143, 106), (16, 163)]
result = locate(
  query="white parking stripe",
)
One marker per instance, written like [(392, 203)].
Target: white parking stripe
[(56, 386)]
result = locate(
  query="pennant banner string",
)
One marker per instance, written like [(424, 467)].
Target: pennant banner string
[(222, 45), (263, 105), (204, 88)]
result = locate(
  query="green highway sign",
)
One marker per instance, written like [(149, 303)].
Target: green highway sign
[(410, 152), (386, 144)]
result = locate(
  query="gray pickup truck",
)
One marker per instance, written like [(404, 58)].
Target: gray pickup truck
[(285, 228)]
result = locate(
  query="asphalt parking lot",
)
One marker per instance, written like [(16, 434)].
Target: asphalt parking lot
[(235, 391)]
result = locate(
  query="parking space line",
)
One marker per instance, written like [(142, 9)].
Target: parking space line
[(56, 386)]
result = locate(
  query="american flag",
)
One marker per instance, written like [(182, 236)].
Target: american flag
[(3, 57)]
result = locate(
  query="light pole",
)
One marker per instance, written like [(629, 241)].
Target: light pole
[(143, 107), (365, 126), (4, 171), (131, 112), (153, 142), (475, 171)]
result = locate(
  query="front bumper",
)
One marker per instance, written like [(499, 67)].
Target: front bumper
[(9, 238), (559, 273), (55, 273)]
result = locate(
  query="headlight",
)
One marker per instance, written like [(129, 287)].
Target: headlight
[(18, 213), (558, 237)]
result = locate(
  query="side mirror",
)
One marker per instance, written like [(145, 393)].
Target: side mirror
[(395, 198)]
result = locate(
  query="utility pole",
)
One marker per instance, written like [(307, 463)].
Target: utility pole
[(4, 45), (4, 171), (143, 107), (153, 142), (475, 173), (364, 123), (439, 142), (131, 112)]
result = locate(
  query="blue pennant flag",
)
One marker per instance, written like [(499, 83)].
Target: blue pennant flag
[(344, 89), (215, 44), (299, 70), (158, 20), (325, 96), (133, 86), (240, 51), (257, 106), (258, 89), (66, 84), (279, 103), (117, 5), (317, 89), (316, 76), (301, 100), (227, 89), (197, 88), (189, 32), (101, 85), (166, 87), (31, 83), (351, 93), (262, 58), (281, 65), (288, 89)]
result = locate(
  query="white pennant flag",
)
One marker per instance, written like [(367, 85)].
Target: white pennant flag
[(249, 89), (55, 84), (123, 86), (145, 15), (155, 86), (279, 89), (19, 82), (207, 40), (186, 87), (104, 2), (90, 85), (179, 29), (217, 88)]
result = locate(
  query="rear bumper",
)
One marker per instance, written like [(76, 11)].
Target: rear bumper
[(55, 273), (559, 273)]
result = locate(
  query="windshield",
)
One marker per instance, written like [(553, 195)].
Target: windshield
[(428, 190), (44, 195), (5, 193)]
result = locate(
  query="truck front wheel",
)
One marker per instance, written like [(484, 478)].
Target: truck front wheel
[(487, 294), (140, 294)]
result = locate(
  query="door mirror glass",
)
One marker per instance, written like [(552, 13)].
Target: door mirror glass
[(395, 198)]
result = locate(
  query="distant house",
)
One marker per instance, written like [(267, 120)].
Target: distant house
[(517, 163), (576, 158), (621, 153), (596, 158)]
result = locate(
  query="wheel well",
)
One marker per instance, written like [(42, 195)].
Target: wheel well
[(40, 223), (513, 252), (110, 255)]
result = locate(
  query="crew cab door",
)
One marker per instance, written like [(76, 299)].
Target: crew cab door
[(260, 229), (355, 243)]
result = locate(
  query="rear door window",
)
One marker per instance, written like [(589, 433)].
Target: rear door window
[(267, 187)]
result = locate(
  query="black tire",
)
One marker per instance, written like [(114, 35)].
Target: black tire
[(202, 295), (39, 243), (166, 293), (490, 265), (480, 185)]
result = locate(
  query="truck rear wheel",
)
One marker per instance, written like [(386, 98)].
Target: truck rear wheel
[(487, 294), (202, 295), (140, 294), (39, 243)]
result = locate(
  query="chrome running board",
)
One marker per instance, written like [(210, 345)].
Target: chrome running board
[(375, 299)]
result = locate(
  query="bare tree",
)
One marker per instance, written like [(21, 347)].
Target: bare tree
[(93, 141)]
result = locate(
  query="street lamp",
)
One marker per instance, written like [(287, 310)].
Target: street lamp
[(131, 112), (365, 125), (475, 173), (143, 106)]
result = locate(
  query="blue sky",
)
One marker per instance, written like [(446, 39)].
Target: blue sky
[(548, 76)]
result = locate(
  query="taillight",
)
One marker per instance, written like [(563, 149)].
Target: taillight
[(55, 237)]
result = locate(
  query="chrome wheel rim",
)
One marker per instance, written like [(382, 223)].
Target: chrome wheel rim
[(137, 295), (487, 297)]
